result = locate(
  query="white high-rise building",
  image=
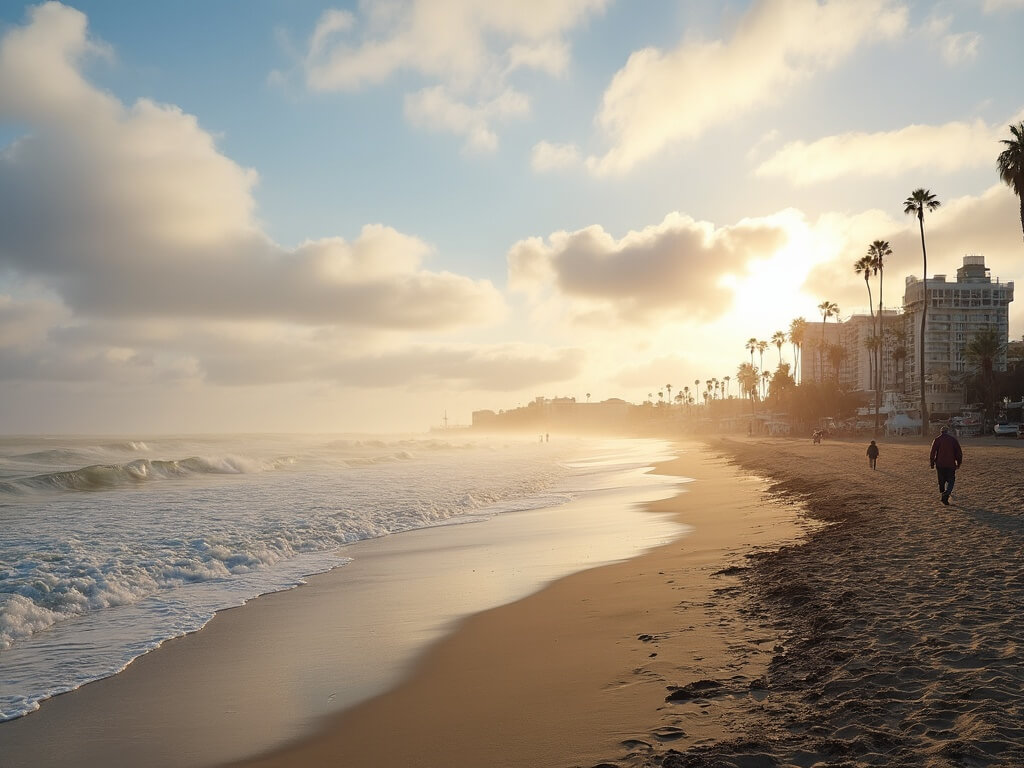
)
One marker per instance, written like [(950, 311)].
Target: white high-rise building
[(956, 312)]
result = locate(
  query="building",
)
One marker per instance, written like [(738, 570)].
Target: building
[(956, 312)]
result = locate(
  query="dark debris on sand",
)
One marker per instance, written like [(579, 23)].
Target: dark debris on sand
[(903, 627)]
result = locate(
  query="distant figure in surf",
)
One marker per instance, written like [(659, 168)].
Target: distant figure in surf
[(872, 455), (946, 458)]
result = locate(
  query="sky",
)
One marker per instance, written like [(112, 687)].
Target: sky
[(278, 216)]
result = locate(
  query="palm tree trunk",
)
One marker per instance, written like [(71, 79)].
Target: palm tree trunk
[(924, 318), (879, 354)]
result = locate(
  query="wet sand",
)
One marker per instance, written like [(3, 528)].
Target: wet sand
[(580, 673), (567, 674)]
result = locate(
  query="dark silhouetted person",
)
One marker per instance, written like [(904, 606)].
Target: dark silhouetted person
[(946, 458), (872, 455)]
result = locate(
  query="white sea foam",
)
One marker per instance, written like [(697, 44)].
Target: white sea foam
[(102, 562)]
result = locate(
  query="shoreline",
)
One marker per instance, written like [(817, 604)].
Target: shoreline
[(264, 672), (579, 672)]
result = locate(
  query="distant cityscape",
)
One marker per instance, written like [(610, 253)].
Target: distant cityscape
[(959, 310)]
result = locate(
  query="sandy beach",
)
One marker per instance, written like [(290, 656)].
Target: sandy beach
[(889, 634), (819, 614)]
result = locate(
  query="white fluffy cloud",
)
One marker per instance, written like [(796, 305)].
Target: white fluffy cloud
[(134, 211), (956, 47), (468, 48), (936, 148), (143, 238), (673, 269), (660, 97)]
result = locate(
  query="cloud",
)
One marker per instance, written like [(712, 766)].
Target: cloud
[(956, 47), (660, 98), (133, 211), (987, 224), (673, 269), (937, 148), (467, 48), (232, 354), (547, 157), (436, 109)]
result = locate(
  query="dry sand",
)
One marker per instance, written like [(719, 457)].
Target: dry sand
[(902, 618)]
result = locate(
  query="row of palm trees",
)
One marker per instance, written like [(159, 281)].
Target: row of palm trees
[(753, 380)]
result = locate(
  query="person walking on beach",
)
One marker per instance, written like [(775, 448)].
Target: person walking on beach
[(872, 455), (946, 458)]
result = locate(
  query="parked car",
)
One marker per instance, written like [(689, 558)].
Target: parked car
[(1005, 428)]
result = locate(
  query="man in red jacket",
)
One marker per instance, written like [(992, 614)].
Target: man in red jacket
[(946, 458)]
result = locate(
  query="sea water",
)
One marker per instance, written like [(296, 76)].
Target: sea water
[(108, 547)]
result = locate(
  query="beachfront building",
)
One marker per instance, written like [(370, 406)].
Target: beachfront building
[(814, 354), (956, 312)]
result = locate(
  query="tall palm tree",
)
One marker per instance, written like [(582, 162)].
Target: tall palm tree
[(727, 379), (1011, 165), (778, 339), (669, 388), (752, 346), (878, 251), (919, 201), (827, 309), (762, 347), (797, 331), (865, 266)]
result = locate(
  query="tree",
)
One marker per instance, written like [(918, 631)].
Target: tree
[(752, 346), (778, 339), (588, 397), (668, 387), (827, 309), (836, 355), (919, 201), (762, 347), (1011, 165), (984, 348), (797, 331), (727, 379), (877, 253), (748, 378)]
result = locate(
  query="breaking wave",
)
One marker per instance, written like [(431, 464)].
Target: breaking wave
[(105, 477)]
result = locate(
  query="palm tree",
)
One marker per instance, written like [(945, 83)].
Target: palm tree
[(727, 379), (836, 355), (778, 339), (1011, 165), (915, 205), (588, 397), (765, 376), (747, 377), (668, 387), (752, 346), (762, 347), (827, 309), (876, 255), (797, 331), (983, 350)]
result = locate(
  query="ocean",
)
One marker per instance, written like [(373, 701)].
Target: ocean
[(110, 546)]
